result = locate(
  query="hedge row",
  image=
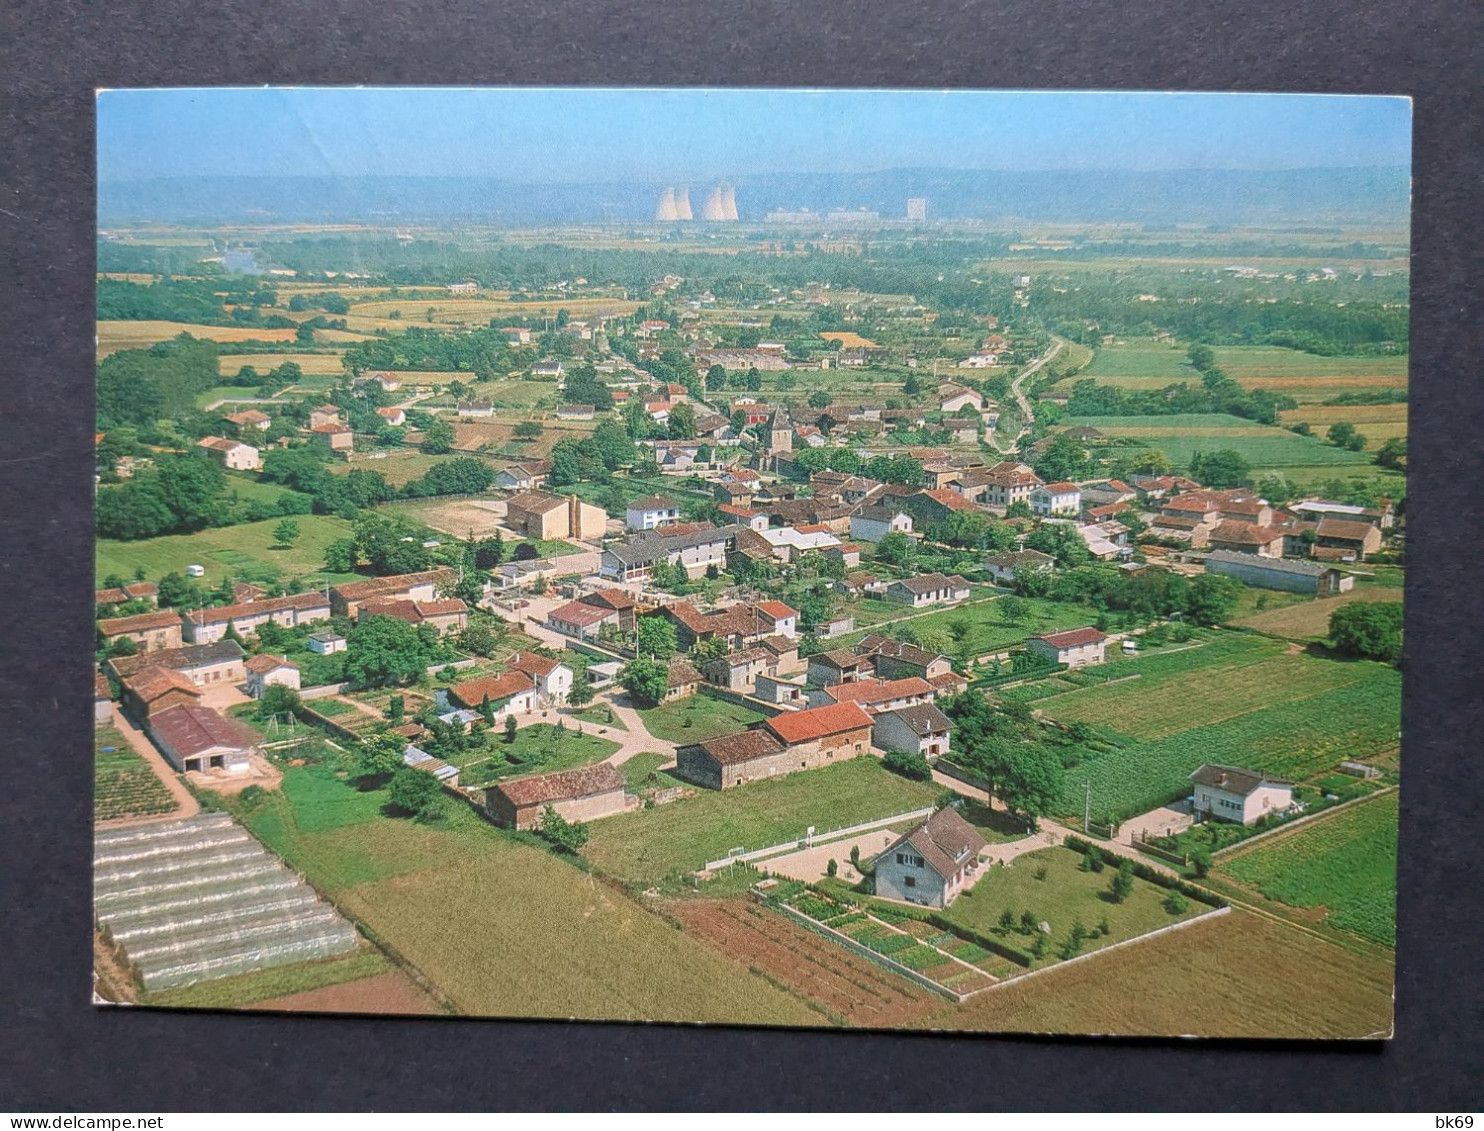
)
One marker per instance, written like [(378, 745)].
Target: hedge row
[(1154, 876)]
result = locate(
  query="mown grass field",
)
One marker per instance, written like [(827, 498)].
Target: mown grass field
[(1344, 865), (1234, 975), (697, 718), (1309, 620), (1264, 447), (1146, 364), (313, 364), (501, 927), (986, 629), (243, 551), (650, 844), (537, 749), (1065, 895)]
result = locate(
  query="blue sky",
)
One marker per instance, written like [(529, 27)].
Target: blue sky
[(548, 135)]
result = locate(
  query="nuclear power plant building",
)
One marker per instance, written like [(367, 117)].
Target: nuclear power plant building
[(674, 204)]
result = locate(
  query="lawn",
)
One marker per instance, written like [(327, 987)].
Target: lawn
[(697, 718), (1051, 885), (1296, 739), (123, 783), (245, 551), (1235, 975), (538, 748), (650, 844), (501, 927), (986, 627), (230, 393), (1264, 447), (1344, 864)]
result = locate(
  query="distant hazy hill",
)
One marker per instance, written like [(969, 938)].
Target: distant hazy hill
[(1185, 196)]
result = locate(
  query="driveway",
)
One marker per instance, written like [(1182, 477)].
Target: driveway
[(1167, 820), (147, 750)]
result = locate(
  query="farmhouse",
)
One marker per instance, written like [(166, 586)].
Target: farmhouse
[(324, 414), (580, 620), (267, 671), (1077, 647), (145, 591), (234, 455), (203, 626), (930, 864), (919, 729), (575, 412), (696, 550), (951, 398), (336, 437), (157, 689), (553, 679), (535, 514), (584, 794), (1002, 567), (894, 658), (839, 665), (1288, 574), (1226, 793), (149, 631), (873, 523), (446, 615), (395, 417), (795, 740), (202, 664), (346, 599), (737, 625), (615, 600), (249, 421), (475, 410), (1248, 538), (1351, 538), (197, 738), (927, 589), (1061, 499), (529, 476), (1315, 509), (875, 694), (684, 679), (1009, 482), (649, 512), (739, 670), (509, 694)]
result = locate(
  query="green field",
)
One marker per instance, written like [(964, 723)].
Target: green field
[(1344, 864), (1064, 895), (400, 466), (986, 628), (503, 928), (1145, 364), (1305, 734), (1309, 619), (1264, 447), (277, 981), (697, 718), (538, 749), (123, 784), (1199, 687), (246, 551), (650, 844)]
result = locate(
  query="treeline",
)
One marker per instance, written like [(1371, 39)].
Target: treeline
[(182, 300), (484, 353), (1217, 393), (140, 387)]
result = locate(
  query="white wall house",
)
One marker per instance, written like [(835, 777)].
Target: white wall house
[(874, 523), (647, 513), (1226, 793)]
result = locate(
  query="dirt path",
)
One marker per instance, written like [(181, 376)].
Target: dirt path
[(636, 738), (389, 993), (1017, 389), (146, 749)]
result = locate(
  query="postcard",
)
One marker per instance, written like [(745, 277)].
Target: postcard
[(855, 558)]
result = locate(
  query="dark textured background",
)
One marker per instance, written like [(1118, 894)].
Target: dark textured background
[(58, 1053)]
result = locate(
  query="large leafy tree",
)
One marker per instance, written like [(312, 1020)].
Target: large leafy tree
[(1210, 598), (656, 637), (1370, 629), (646, 680), (384, 650)]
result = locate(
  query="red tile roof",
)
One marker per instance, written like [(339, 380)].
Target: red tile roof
[(151, 683), (191, 730), (296, 601), (776, 609), (879, 690), (143, 622), (818, 722), (579, 613), (265, 663), (1072, 638), (744, 747), (533, 664), (585, 781), (472, 692)]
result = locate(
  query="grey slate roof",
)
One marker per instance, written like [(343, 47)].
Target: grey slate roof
[(923, 718), (651, 546), (1233, 779), (1274, 565)]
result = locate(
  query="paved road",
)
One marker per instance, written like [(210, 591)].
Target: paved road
[(1017, 388)]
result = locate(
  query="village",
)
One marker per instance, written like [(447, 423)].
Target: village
[(858, 636)]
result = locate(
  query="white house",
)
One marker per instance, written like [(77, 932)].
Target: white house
[(265, 671), (927, 589), (932, 863), (1227, 793), (918, 729), (874, 523), (552, 678), (951, 398), (326, 643), (778, 617), (1061, 499), (1002, 567), (233, 454), (649, 512), (1077, 647)]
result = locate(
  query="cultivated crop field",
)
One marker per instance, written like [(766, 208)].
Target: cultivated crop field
[(123, 784), (650, 844), (313, 364), (1295, 739), (115, 336), (1344, 865), (1309, 620), (1234, 975), (500, 927), (498, 437), (246, 551)]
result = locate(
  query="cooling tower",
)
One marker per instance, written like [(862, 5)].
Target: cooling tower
[(714, 209), (666, 209), (729, 202), (682, 203)]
